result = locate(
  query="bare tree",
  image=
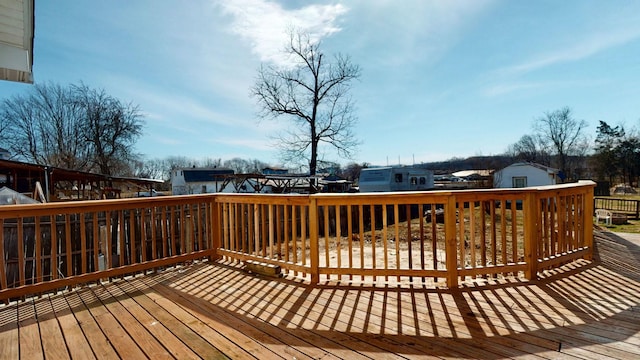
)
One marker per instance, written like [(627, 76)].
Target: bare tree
[(45, 127), (563, 134), (74, 127), (529, 149), (111, 127), (314, 94)]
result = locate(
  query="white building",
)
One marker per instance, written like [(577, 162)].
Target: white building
[(200, 181), (395, 178), (520, 175)]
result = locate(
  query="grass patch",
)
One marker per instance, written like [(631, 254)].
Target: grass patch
[(632, 226)]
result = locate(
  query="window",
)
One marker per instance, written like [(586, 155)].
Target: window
[(414, 180), (519, 181), (398, 178), (204, 189), (423, 180)]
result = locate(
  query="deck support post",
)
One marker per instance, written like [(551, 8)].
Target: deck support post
[(587, 221), (450, 218), (531, 234), (314, 253), (216, 230)]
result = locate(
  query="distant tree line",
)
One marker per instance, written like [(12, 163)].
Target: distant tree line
[(81, 128), (617, 154), (559, 140)]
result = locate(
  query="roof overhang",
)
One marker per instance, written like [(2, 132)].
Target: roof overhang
[(16, 40)]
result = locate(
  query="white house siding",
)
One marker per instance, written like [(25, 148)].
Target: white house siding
[(535, 175), (184, 184)]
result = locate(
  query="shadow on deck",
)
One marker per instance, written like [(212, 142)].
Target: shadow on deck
[(582, 310)]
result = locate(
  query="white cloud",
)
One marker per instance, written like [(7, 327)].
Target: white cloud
[(412, 31), (506, 88), (264, 24), (591, 45)]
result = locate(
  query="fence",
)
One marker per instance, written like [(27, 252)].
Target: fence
[(629, 207), (411, 237)]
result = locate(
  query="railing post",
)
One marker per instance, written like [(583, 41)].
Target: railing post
[(531, 237), (216, 228), (450, 241), (587, 221), (314, 254)]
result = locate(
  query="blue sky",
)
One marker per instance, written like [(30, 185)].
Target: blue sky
[(440, 79)]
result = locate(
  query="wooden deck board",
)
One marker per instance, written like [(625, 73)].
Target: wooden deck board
[(77, 343), (241, 331), (582, 311), (99, 343), (30, 344), (53, 344), (174, 346), (146, 341), (9, 336), (118, 337)]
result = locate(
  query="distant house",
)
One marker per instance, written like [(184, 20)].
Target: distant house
[(395, 178), (274, 171), (523, 174), (187, 181)]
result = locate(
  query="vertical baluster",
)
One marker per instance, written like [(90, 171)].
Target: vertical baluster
[(3, 266), (109, 247), (434, 236), (461, 237), (373, 238), (143, 234), (287, 231), (122, 237), (514, 232), (338, 237), (83, 243), (133, 256), (385, 235), (96, 241), (396, 228), (303, 233), (164, 229), (326, 236), (361, 234), (69, 247), (472, 233), (409, 242), (37, 249), (350, 237)]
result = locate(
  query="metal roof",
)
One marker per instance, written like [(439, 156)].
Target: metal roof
[(16, 40), (206, 174)]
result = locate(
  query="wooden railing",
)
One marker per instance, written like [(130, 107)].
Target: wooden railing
[(414, 237), (410, 236), (50, 246)]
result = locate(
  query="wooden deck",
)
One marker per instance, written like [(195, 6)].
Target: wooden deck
[(584, 310)]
